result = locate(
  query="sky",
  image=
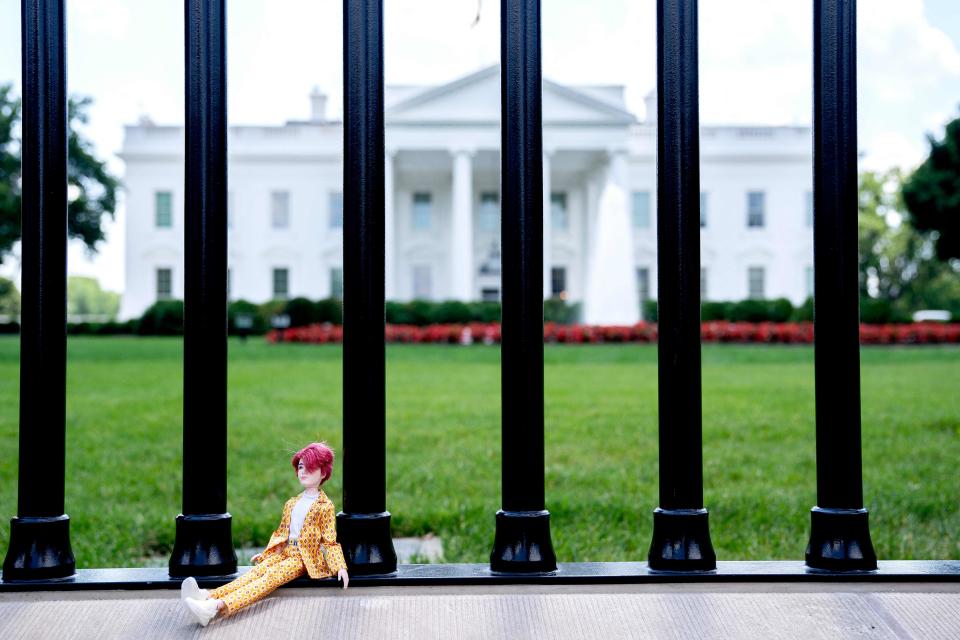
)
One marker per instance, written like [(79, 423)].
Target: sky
[(755, 66)]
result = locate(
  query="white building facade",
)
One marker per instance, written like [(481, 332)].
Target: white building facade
[(285, 201)]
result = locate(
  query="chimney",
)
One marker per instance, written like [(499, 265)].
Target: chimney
[(318, 105)]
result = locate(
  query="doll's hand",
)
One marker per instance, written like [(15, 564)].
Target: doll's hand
[(342, 575), (257, 558)]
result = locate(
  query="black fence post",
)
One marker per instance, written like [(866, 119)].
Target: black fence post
[(204, 544), (522, 542), (681, 534), (40, 534), (364, 523), (839, 533)]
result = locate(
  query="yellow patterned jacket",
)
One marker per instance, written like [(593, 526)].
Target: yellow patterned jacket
[(319, 549)]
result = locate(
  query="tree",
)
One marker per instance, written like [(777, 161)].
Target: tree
[(86, 298), (9, 298), (92, 190), (932, 193), (899, 265)]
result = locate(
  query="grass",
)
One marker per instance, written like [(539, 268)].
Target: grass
[(124, 428)]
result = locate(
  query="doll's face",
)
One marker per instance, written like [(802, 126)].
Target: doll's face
[(309, 479)]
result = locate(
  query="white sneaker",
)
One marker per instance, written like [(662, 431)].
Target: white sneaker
[(190, 589), (203, 610)]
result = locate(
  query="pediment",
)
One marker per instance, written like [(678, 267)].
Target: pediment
[(475, 98)]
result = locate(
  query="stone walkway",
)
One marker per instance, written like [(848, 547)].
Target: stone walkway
[(771, 610)]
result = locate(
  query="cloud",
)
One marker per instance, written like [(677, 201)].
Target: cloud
[(100, 17)]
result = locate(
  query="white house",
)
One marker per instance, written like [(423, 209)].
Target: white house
[(442, 208)]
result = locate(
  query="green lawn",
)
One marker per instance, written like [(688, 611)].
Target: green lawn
[(124, 434)]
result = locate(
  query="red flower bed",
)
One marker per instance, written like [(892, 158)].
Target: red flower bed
[(721, 331)]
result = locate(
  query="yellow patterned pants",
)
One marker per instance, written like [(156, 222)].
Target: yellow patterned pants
[(277, 569)]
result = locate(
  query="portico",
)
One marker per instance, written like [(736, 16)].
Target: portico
[(442, 202)]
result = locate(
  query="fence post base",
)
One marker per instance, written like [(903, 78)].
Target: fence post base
[(203, 546), (366, 542), (840, 540), (522, 543), (681, 541), (39, 549)]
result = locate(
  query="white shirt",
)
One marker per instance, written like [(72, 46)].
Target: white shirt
[(298, 514)]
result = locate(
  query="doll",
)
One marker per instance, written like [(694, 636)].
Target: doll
[(304, 543)]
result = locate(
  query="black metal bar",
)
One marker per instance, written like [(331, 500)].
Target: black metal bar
[(840, 533), (40, 534), (204, 544), (364, 523), (522, 542), (935, 573), (681, 533)]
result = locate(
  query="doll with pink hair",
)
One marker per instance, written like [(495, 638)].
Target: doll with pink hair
[(304, 543)]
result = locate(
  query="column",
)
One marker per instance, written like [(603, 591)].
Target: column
[(461, 254), (611, 294), (547, 226), (389, 226), (40, 534)]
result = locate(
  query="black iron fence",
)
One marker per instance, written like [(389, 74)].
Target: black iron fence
[(839, 535)]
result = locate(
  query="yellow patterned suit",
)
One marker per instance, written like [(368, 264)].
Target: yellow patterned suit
[(317, 554)]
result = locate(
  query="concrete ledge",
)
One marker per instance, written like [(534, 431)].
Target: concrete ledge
[(574, 573), (793, 610)]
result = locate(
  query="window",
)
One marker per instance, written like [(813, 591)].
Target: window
[(809, 275), (280, 209), (229, 209), (336, 283), (755, 209), (559, 216), (809, 208), (489, 211), (422, 284), (755, 277), (703, 283), (490, 294), (163, 209), (228, 285), (703, 209), (558, 282), (641, 209), (335, 207), (281, 283), (643, 284), (164, 283), (422, 211)]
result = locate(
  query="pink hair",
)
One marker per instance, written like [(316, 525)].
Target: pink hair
[(316, 455)]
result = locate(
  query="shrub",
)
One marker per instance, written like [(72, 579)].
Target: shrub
[(648, 311), (803, 313), (329, 310), (302, 312), (779, 310), (484, 311), (162, 318), (450, 311), (415, 312), (875, 310), (557, 310), (712, 311), (244, 307), (266, 311), (103, 328), (749, 311)]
